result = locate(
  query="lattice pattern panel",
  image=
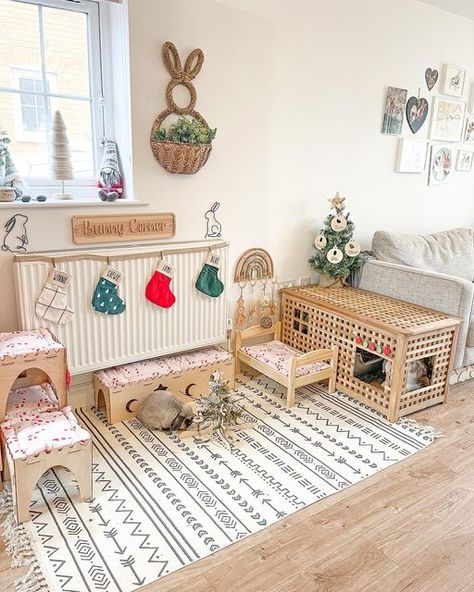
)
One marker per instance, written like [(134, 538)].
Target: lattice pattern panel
[(307, 326), (371, 305)]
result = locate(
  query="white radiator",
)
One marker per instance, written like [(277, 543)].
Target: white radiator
[(143, 330)]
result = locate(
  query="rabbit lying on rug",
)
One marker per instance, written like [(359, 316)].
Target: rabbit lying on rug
[(164, 411)]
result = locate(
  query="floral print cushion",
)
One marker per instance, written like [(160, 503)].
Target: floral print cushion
[(149, 369), (23, 403), (26, 343), (277, 355), (43, 433)]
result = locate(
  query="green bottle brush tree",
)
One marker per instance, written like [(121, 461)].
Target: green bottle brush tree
[(336, 252)]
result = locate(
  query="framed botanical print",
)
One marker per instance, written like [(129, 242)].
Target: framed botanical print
[(454, 80), (441, 164), (469, 130), (394, 111), (464, 161), (447, 120), (411, 156)]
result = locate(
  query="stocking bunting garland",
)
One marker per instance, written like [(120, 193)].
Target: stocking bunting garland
[(106, 299), (158, 288), (52, 302), (208, 281)]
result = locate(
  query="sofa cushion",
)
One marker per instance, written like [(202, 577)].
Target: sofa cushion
[(450, 252), (470, 332)]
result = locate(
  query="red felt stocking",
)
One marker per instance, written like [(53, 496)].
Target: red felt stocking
[(158, 288)]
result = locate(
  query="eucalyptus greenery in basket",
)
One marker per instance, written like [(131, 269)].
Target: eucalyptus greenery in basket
[(186, 131)]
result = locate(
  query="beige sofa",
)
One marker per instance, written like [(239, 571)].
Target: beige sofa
[(436, 271)]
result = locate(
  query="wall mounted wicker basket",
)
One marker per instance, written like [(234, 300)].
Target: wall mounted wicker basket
[(176, 157)]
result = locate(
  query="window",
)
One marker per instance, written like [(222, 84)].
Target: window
[(50, 58), (35, 107)]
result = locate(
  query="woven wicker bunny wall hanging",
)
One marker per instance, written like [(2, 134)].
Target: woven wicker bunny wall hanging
[(186, 145)]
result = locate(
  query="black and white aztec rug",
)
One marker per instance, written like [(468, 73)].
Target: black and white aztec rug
[(161, 502)]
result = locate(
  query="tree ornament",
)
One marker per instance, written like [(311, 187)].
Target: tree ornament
[(352, 249), (335, 255), (337, 202), (338, 223), (320, 242)]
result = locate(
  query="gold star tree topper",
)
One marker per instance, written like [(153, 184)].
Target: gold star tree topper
[(337, 201)]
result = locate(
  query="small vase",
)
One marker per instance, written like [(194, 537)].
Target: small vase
[(327, 281)]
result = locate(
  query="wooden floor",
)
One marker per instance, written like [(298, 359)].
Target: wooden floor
[(408, 528)]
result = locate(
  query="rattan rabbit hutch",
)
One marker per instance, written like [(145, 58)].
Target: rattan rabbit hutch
[(364, 324)]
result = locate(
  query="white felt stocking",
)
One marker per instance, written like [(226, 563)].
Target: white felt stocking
[(52, 302)]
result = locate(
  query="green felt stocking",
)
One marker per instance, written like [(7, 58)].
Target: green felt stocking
[(208, 283), (106, 299)]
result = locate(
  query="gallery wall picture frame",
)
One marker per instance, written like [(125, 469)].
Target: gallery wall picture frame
[(441, 164), (469, 130), (447, 120), (471, 99), (394, 110), (411, 156), (464, 161), (454, 80)]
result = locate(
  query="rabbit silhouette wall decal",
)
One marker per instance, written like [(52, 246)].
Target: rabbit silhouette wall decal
[(213, 226), (16, 234)]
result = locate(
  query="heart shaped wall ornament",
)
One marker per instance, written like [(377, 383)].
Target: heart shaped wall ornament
[(431, 77), (417, 112)]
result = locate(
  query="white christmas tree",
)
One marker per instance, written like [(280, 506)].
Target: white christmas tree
[(61, 155)]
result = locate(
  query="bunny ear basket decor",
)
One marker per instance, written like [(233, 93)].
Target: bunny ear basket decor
[(186, 145)]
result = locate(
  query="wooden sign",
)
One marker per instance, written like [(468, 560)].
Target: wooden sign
[(122, 227)]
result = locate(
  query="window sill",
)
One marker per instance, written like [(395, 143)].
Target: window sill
[(73, 203)]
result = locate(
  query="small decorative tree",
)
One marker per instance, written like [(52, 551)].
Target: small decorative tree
[(337, 253), (61, 155), (219, 410)]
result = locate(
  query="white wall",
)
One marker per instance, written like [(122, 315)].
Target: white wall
[(296, 90)]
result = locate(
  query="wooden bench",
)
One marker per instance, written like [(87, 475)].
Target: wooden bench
[(284, 364), (122, 389)]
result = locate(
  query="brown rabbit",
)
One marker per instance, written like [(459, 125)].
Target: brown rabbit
[(164, 411)]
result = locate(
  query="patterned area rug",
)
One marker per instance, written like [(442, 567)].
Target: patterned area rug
[(162, 503)]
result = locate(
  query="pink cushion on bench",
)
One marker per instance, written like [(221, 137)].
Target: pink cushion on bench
[(23, 403), (120, 376), (277, 355), (25, 343), (45, 432)]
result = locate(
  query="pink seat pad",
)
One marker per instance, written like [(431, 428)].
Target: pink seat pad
[(120, 376), (277, 355), (45, 432), (25, 403), (22, 343)]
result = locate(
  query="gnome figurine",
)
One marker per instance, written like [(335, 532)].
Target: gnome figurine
[(110, 181)]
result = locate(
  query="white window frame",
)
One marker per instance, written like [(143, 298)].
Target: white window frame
[(101, 111)]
